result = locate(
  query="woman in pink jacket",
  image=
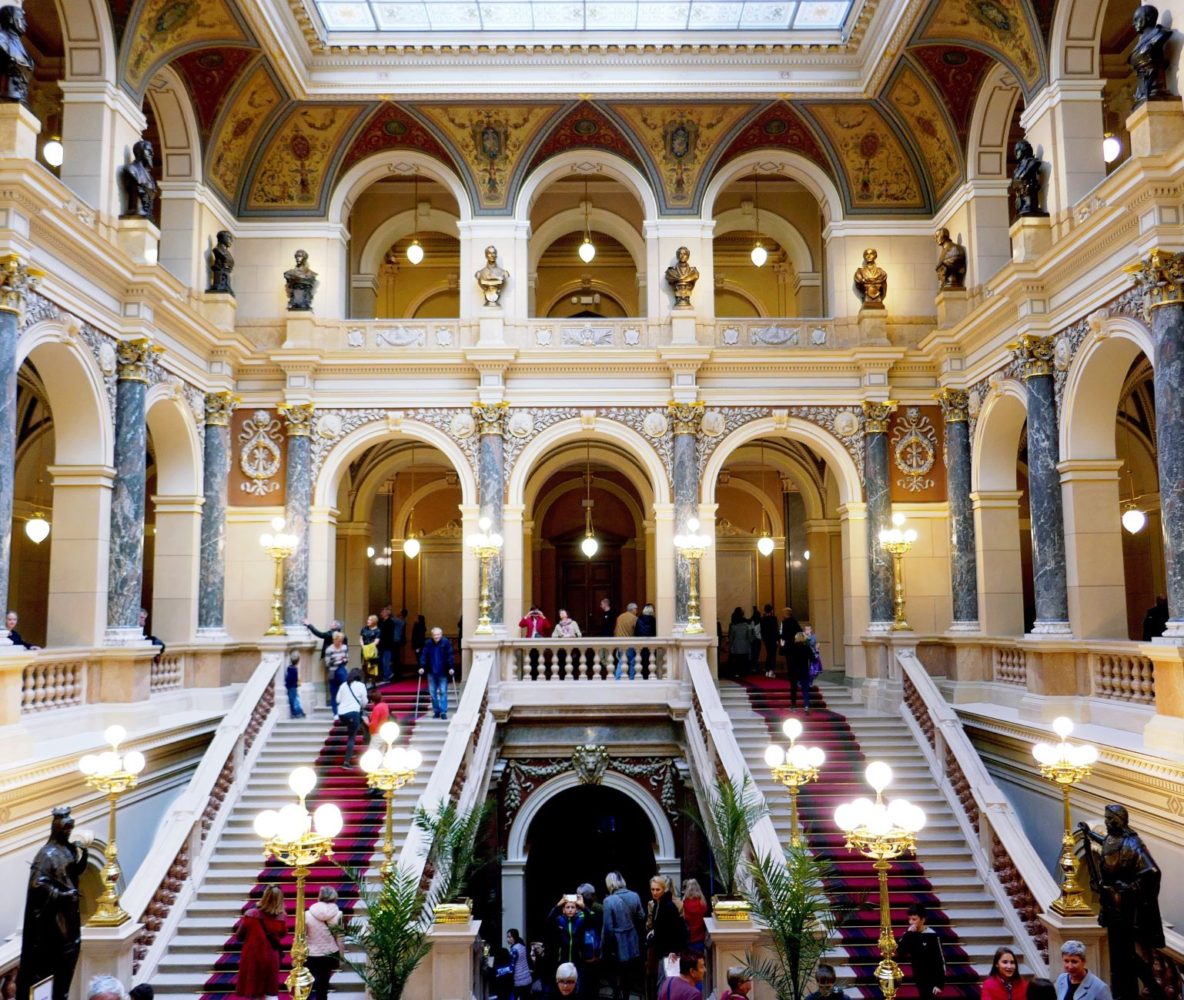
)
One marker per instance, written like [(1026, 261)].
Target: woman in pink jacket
[(322, 927)]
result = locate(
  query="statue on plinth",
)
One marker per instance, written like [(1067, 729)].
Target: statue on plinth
[(139, 186), (492, 278), (1126, 879), (1148, 58), (221, 263), (15, 64), (871, 281), (301, 282), (52, 934), (1026, 182), (681, 278), (951, 264)]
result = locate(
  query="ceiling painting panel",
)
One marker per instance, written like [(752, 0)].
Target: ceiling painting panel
[(390, 127), (779, 127), (162, 27), (210, 74), (932, 132), (586, 127), (237, 130), (1002, 27), (958, 73)]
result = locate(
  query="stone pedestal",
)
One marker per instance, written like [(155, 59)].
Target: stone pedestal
[(952, 307), (125, 673), (301, 330), (13, 660), (106, 951), (1156, 127), (452, 969), (1083, 929), (219, 308), (682, 327), (727, 943), (19, 129), (1030, 238), (491, 327), (873, 327), (139, 239)]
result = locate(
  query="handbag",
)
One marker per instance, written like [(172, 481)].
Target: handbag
[(370, 651)]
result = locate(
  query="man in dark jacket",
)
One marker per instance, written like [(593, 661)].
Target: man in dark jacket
[(769, 639), (789, 628), (920, 946), (436, 662), (606, 623), (326, 637), (387, 645)]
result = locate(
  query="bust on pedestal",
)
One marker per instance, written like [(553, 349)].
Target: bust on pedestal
[(138, 235), (19, 127), (300, 282), (871, 286)]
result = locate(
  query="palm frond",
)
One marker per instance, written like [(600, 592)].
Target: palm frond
[(732, 811), (393, 934)]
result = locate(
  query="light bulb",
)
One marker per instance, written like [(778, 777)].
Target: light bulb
[(693, 524), (396, 759), (589, 546), (369, 551), (371, 760), (587, 251), (792, 728), (1111, 149), (327, 820), (415, 252), (799, 756), (845, 817), (302, 780), (1133, 520), (89, 764), (265, 540), (898, 812), (1044, 753), (133, 762), (879, 775), (485, 523), (293, 822), (774, 755), (277, 523), (806, 555), (55, 153), (414, 759), (411, 547), (759, 255), (266, 824), (1062, 725), (910, 535), (878, 823), (817, 756), (1088, 754), (389, 731), (897, 519), (863, 809), (37, 529), (115, 735), (108, 763), (496, 540), (764, 545)]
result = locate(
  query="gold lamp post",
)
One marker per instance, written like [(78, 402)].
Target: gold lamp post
[(882, 832), (111, 773), (897, 541), (486, 544), (793, 768), (299, 840), (1066, 764), (279, 546), (692, 546), (389, 771)]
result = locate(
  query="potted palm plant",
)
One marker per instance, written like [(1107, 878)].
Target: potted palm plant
[(392, 937), (453, 856), (732, 809)]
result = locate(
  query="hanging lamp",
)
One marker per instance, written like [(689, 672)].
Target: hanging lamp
[(410, 542), (415, 251), (1133, 518), (589, 546), (759, 254), (587, 250), (37, 528), (764, 544)]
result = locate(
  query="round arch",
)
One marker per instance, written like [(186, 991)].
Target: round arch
[(362, 175), (421, 493), (577, 286), (737, 289), (596, 451), (398, 226), (426, 296), (180, 153), (585, 161), (809, 485), (777, 526), (997, 437), (599, 220), (366, 489), (89, 40), (782, 230), (1075, 41), (990, 125), (175, 442), (776, 161), (545, 504)]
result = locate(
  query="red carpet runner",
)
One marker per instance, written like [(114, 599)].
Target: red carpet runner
[(841, 780), (353, 848)]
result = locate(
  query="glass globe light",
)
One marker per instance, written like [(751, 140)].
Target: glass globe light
[(266, 824), (496, 540), (369, 551), (415, 252), (371, 760), (55, 153), (799, 756), (302, 780), (327, 820), (414, 759), (879, 825), (389, 731), (879, 775), (806, 555), (774, 755), (37, 528), (485, 523), (792, 728), (1062, 725), (107, 763), (764, 545), (589, 546), (1044, 753), (1111, 149), (898, 811), (587, 251), (1089, 754), (410, 547), (817, 756), (277, 523), (293, 821), (266, 540), (693, 524), (1133, 520), (910, 535), (897, 519), (133, 762), (759, 255), (89, 764), (115, 735), (845, 817)]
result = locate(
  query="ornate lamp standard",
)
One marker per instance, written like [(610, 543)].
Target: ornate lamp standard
[(389, 771), (883, 833), (692, 546), (486, 544), (279, 546), (299, 840), (793, 768), (897, 541), (1066, 764), (112, 774)]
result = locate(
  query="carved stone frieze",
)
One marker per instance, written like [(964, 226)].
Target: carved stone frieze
[(657, 775), (524, 424)]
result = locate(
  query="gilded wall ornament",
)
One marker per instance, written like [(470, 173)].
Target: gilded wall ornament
[(298, 417), (686, 417), (590, 761), (1160, 277), (1036, 355), (914, 450), (846, 423), (259, 456), (135, 358), (16, 280), (871, 281), (491, 418), (955, 405), (876, 415), (218, 407)]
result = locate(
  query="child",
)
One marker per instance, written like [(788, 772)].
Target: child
[(292, 684), (739, 985), (920, 946), (824, 975), (815, 656)]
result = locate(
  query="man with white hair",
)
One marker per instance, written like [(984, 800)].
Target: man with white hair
[(105, 988), (436, 661)]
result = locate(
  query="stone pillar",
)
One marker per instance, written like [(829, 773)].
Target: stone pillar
[(297, 507), (877, 476), (491, 487), (79, 559), (963, 560), (1044, 487), (215, 489), (997, 531), (1093, 547), (126, 568), (685, 419)]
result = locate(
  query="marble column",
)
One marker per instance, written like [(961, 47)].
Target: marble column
[(215, 489), (1044, 487), (16, 278), (125, 578), (297, 504), (877, 478), (491, 487), (685, 420), (963, 560), (1162, 276)]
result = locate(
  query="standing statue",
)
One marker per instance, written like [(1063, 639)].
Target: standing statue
[(15, 65), (871, 281), (221, 263), (1026, 182), (681, 277), (951, 263), (52, 935), (1148, 58), (301, 281), (492, 278), (139, 186), (1126, 879)]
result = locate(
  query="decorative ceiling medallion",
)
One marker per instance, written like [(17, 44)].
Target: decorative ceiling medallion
[(846, 423), (585, 126)]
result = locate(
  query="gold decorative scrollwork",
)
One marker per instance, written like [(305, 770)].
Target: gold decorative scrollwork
[(298, 417), (260, 456), (955, 405), (219, 406), (1161, 276), (876, 415), (914, 450), (16, 279), (491, 418), (686, 418), (1036, 354), (133, 357)]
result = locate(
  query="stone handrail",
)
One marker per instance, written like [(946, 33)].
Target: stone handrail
[(1022, 884), (596, 658)]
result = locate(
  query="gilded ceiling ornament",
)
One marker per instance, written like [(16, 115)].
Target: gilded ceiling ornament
[(914, 450), (259, 455), (876, 415), (590, 762), (935, 142), (1035, 354), (1160, 275), (955, 405), (135, 357), (292, 169), (877, 167), (16, 279), (491, 417), (298, 417), (165, 26), (686, 417), (218, 408)]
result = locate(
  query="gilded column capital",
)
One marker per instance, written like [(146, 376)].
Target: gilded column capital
[(219, 407), (686, 417), (134, 357), (16, 280), (1161, 276), (955, 405), (491, 418), (1037, 354), (298, 417), (876, 415)]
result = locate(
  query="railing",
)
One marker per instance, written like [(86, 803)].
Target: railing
[(585, 660), (56, 679), (786, 333), (570, 334), (1009, 665), (1122, 676), (167, 672), (399, 335)]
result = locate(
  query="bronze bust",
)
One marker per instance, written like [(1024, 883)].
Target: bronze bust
[(221, 263), (15, 65), (1148, 58), (139, 186), (1026, 182), (681, 278), (871, 281), (492, 278), (301, 282), (951, 264)]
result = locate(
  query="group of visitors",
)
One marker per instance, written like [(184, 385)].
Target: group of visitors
[(606, 623), (749, 636), (1075, 982)]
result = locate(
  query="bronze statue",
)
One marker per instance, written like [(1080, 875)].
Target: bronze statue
[(221, 263), (1026, 182), (52, 934), (681, 277), (951, 264), (139, 186), (301, 281), (1126, 879), (492, 278), (15, 65), (871, 281), (1148, 58)]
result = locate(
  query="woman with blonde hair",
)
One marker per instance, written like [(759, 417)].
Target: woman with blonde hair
[(261, 930), (694, 912), (370, 657)]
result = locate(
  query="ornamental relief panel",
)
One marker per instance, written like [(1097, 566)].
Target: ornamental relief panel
[(916, 451), (257, 460)]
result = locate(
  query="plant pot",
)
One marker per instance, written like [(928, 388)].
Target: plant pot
[(455, 911), (730, 909)]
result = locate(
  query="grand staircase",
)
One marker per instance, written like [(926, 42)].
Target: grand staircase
[(202, 959), (943, 877)]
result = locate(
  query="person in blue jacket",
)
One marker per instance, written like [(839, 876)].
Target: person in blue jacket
[(436, 661)]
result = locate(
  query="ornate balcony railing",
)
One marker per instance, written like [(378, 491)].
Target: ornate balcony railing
[(561, 661)]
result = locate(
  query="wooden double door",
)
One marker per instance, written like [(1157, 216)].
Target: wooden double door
[(583, 584)]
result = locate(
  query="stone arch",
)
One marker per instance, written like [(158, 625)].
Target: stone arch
[(403, 514), (89, 40), (774, 226), (585, 161), (544, 504), (362, 175), (990, 124), (598, 452), (735, 288), (807, 479), (777, 525), (175, 440), (1075, 42), (574, 287), (180, 155), (776, 161), (997, 437), (366, 489), (395, 228), (429, 293), (600, 220)]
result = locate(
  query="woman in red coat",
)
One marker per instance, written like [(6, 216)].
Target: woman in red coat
[(1005, 981), (261, 930)]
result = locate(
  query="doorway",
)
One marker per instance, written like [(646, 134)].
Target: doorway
[(583, 584)]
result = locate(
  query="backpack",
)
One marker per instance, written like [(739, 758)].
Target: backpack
[(591, 943)]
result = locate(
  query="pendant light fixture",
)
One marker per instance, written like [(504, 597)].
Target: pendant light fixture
[(410, 542), (589, 546), (587, 250), (759, 254), (415, 251), (1133, 519), (37, 528), (764, 544)]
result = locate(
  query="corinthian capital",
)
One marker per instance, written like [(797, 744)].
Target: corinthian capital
[(134, 357), (16, 280), (1161, 276), (685, 417), (298, 417), (491, 418), (955, 405), (876, 415), (219, 407), (1035, 353)]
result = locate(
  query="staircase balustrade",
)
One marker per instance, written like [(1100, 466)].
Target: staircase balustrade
[(591, 659)]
